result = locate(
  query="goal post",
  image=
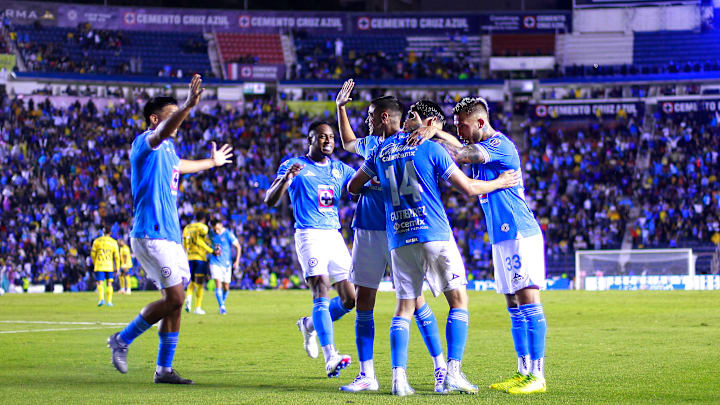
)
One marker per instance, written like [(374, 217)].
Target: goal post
[(637, 269)]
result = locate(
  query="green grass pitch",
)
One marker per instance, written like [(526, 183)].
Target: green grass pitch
[(602, 347)]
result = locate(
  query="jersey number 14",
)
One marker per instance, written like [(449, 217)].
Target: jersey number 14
[(409, 186)]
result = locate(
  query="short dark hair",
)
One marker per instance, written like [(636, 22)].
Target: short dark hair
[(217, 220), (388, 104), (155, 104), (427, 109), (315, 124), (469, 105), (201, 216)]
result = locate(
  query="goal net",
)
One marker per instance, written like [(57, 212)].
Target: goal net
[(644, 269)]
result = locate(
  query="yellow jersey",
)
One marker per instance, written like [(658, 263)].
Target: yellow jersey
[(195, 241), (125, 257), (105, 253)]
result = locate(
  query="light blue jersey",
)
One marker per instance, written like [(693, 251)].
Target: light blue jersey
[(370, 211), (409, 175), (155, 176), (315, 192), (222, 242), (506, 213)]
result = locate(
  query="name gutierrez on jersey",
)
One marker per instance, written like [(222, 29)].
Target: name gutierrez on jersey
[(408, 213), (395, 151)]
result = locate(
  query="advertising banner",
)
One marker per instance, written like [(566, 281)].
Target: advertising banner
[(700, 282), (522, 63), (237, 71), (207, 20), (671, 107), (589, 109)]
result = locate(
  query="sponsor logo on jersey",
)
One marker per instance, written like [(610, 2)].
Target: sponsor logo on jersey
[(393, 151), (309, 173), (454, 276), (325, 197), (494, 142), (336, 173)]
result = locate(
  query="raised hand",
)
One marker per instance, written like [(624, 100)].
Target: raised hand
[(509, 178), (293, 171), (195, 92), (221, 156), (421, 135), (343, 97)]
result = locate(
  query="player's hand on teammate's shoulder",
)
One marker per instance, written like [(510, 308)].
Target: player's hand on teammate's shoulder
[(343, 97), (222, 155), (293, 171), (195, 92), (421, 135), (509, 178)]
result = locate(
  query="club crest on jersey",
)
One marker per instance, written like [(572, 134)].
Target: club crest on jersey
[(335, 173), (312, 262), (505, 227), (165, 272), (325, 197)]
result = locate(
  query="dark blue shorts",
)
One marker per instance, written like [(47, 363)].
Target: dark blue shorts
[(198, 268), (104, 275)]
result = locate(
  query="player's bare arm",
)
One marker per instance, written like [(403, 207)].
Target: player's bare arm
[(281, 184), (218, 157), (356, 184), (347, 136), (433, 133), (238, 251), (472, 187), (169, 126), (468, 154)]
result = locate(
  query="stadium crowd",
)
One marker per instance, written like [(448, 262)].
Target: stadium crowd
[(65, 173)]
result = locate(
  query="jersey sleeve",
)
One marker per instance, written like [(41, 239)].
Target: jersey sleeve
[(201, 240), (496, 148), (443, 165), (116, 256), (232, 238), (370, 167), (349, 173), (361, 146), (284, 167), (141, 145), (93, 250)]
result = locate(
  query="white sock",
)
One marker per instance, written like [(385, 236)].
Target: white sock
[(439, 361), (453, 366), (309, 324), (368, 368), (524, 365), (328, 351), (163, 370), (399, 372), (538, 368)]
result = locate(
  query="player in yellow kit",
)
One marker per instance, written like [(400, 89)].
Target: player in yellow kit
[(106, 260), (197, 247), (125, 266)]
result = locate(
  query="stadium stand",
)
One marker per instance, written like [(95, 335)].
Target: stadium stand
[(251, 48)]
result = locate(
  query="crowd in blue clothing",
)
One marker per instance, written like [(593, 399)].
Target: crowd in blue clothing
[(65, 173)]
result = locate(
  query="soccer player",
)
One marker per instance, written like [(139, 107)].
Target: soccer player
[(517, 241), (106, 261), (421, 242), (315, 183), (156, 237), (125, 266), (195, 242), (222, 239), (370, 238)]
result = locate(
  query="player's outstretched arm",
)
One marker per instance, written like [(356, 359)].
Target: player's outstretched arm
[(172, 123), (347, 136), (218, 157), (281, 184), (426, 133), (471, 187), (355, 185), (468, 154)]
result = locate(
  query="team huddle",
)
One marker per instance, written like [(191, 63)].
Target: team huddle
[(400, 222)]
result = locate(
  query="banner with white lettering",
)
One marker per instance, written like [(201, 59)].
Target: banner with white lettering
[(582, 110), (671, 107), (237, 71), (208, 20)]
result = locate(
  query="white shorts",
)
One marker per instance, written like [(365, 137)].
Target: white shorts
[(322, 252), (164, 261), (439, 262), (370, 258), (221, 273), (519, 263)]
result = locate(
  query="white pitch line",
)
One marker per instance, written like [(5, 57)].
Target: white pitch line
[(52, 330), (67, 323)]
